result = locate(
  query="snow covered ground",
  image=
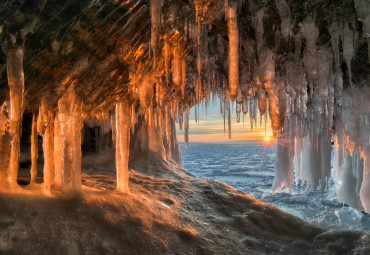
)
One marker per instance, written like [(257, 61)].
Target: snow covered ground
[(168, 211)]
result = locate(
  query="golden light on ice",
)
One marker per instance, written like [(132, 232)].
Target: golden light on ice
[(267, 138)]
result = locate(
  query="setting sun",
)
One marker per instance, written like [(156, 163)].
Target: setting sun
[(267, 138)]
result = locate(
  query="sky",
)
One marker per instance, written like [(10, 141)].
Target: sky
[(210, 127)]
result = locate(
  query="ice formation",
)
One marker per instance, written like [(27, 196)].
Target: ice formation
[(122, 74), (122, 143)]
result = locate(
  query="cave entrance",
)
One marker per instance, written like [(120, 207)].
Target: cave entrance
[(247, 162)]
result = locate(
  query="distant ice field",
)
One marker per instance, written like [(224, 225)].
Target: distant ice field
[(249, 166)]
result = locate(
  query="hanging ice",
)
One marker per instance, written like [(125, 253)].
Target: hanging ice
[(233, 49), (155, 19)]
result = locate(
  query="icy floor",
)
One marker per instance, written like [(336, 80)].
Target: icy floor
[(249, 166)]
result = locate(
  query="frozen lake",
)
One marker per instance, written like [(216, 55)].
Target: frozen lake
[(249, 166)]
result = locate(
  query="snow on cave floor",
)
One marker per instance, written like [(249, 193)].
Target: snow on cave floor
[(249, 166), (168, 211)]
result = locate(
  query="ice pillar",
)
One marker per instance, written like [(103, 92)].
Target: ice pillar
[(69, 117), (365, 187), (48, 148), (233, 50), (123, 123), (4, 144), (16, 89), (284, 161), (58, 154)]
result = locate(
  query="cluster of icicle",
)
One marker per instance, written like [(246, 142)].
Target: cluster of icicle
[(305, 103)]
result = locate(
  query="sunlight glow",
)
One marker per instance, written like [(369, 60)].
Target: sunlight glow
[(267, 138)]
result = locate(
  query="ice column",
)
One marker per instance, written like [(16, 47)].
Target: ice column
[(69, 118), (58, 154), (4, 144), (233, 50), (365, 188), (16, 87), (34, 149), (284, 160), (48, 148), (122, 137), (347, 192)]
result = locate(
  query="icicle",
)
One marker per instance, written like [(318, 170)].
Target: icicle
[(146, 89), (325, 158), (183, 81), (334, 38), (16, 89), (186, 131), (224, 115), (285, 17), (167, 56), (168, 129), (177, 66), (298, 143), (155, 18), (239, 101), (229, 119), (348, 49), (34, 149), (262, 98), (196, 115), (323, 74), (123, 122), (233, 50), (310, 163), (155, 142), (245, 106), (311, 33)]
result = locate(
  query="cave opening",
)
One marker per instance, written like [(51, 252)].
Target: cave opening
[(269, 98)]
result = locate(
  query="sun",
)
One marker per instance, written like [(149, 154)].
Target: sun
[(267, 138)]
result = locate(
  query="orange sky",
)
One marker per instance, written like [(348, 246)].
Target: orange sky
[(211, 126)]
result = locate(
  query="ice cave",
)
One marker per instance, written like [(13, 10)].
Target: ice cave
[(98, 103)]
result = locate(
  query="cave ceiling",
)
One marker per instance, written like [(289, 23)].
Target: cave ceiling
[(104, 49)]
